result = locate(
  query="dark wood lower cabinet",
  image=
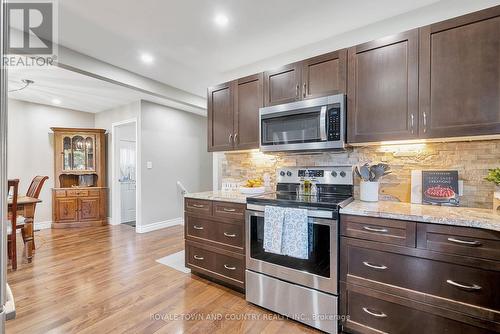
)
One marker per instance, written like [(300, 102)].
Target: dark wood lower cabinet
[(442, 279), (371, 311), (215, 236)]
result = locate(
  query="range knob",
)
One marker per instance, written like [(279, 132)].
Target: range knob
[(288, 173), (282, 173), (342, 174), (334, 174)]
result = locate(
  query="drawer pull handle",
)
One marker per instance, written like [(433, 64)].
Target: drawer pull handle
[(196, 227), (375, 314), (464, 286), (368, 264), (199, 206), (373, 229), (229, 235), (229, 210), (196, 257), (229, 267), (465, 242)]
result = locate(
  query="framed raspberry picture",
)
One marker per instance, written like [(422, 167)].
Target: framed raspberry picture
[(440, 187)]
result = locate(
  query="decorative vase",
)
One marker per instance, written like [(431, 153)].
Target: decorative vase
[(368, 191), (496, 200)]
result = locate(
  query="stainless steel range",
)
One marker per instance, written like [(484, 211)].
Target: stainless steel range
[(303, 289)]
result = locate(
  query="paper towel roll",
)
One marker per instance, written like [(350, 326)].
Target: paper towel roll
[(416, 186)]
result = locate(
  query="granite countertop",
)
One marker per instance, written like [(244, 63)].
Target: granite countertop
[(224, 196), (457, 216)]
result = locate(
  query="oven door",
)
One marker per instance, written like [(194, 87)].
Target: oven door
[(319, 271)]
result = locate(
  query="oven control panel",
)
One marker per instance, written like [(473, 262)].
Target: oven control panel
[(321, 175)]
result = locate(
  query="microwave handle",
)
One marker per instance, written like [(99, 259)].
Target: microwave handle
[(322, 124)]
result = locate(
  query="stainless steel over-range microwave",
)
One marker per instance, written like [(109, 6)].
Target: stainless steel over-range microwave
[(315, 124)]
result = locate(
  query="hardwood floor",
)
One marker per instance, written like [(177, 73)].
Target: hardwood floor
[(105, 279)]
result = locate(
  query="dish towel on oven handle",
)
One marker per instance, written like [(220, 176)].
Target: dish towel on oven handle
[(274, 218), (295, 241)]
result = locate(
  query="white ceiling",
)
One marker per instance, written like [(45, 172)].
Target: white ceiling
[(75, 91), (190, 51)]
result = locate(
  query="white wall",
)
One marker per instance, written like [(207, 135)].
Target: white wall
[(30, 145), (176, 143), (105, 120)]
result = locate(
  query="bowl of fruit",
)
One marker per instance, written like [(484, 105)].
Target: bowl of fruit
[(253, 186)]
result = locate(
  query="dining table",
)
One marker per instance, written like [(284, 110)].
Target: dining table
[(26, 208)]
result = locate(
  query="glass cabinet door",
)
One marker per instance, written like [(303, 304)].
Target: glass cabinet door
[(67, 159), (89, 147), (79, 155)]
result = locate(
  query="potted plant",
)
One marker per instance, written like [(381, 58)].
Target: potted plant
[(494, 176), (370, 176)]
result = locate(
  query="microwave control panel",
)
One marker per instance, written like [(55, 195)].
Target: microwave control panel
[(334, 124)]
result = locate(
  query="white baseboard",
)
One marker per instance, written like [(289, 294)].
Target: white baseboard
[(42, 225), (160, 225)]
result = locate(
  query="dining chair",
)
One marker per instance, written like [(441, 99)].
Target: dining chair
[(34, 191), (13, 189)]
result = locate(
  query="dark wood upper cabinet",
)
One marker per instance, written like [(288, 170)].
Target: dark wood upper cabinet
[(382, 93), (324, 75), (282, 85), (460, 76), (220, 118), (314, 77), (438, 81), (248, 99), (233, 114)]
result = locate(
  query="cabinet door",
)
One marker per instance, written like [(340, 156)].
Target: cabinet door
[(247, 101), (220, 118), (282, 85), (89, 208), (383, 89), (460, 76), (66, 209), (324, 75)]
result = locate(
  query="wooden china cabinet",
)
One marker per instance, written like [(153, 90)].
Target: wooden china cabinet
[(79, 196)]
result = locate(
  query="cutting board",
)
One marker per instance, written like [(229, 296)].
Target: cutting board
[(401, 192)]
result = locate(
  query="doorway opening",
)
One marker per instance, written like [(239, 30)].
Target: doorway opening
[(124, 197)]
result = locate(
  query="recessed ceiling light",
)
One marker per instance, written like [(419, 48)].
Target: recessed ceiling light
[(147, 58), (56, 101), (221, 20)]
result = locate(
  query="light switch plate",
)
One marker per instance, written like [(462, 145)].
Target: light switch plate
[(149, 164)]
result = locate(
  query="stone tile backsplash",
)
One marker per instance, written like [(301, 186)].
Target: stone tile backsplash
[(472, 159)]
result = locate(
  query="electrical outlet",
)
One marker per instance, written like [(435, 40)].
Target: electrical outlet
[(149, 165)]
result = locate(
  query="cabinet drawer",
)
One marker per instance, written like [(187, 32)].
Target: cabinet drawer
[(372, 312), (94, 192), (230, 266), (229, 210), (77, 193), (200, 257), (218, 232), (390, 231), (198, 206), (60, 193), (231, 234), (465, 284), (201, 228), (459, 240)]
